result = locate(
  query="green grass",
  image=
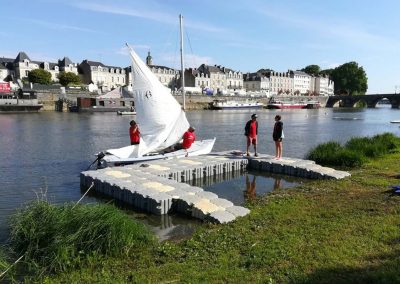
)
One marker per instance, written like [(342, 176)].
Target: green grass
[(3, 261), (57, 238), (355, 152)]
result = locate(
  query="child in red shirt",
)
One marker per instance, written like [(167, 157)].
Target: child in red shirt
[(134, 133), (251, 131)]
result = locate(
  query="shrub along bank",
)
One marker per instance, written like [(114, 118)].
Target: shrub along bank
[(355, 152), (57, 238)]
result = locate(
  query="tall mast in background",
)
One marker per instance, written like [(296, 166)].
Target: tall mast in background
[(182, 62)]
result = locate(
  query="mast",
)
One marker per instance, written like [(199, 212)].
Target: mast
[(182, 62)]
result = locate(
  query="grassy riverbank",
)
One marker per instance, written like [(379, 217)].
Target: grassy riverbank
[(319, 232)]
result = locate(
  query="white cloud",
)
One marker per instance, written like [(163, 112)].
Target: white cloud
[(146, 14), (336, 29), (55, 26)]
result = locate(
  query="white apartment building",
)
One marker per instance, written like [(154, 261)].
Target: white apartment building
[(234, 79), (195, 78), (301, 83), (23, 65), (256, 82), (281, 83), (105, 77), (222, 78), (324, 86)]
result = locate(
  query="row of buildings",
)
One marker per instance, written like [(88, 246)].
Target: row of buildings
[(205, 78)]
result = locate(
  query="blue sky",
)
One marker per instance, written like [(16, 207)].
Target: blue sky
[(242, 35)]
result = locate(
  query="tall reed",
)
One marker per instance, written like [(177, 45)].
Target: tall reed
[(3, 261), (55, 238)]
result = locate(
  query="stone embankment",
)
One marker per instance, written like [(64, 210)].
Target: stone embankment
[(158, 186), (49, 99)]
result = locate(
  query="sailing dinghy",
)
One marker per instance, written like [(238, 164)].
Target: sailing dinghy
[(161, 120)]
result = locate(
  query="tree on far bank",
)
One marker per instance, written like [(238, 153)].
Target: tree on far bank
[(39, 76), (327, 72), (67, 78), (350, 78), (312, 69)]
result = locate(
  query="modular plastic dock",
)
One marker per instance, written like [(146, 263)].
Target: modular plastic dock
[(158, 186)]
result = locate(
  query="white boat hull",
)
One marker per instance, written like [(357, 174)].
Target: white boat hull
[(126, 112), (201, 147)]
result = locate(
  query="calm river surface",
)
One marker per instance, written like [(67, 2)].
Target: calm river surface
[(47, 151)]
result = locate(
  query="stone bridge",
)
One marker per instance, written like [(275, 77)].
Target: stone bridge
[(370, 100)]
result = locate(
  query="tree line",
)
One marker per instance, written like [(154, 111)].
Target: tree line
[(349, 78), (41, 76)]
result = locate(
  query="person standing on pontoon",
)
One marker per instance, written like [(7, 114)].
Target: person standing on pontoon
[(251, 131), (278, 136), (134, 133)]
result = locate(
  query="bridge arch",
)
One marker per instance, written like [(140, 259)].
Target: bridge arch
[(370, 100)]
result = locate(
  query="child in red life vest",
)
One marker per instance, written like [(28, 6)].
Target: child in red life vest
[(251, 131), (134, 133)]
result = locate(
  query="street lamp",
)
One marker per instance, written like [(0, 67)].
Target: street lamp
[(395, 88)]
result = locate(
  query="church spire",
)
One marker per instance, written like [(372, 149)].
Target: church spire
[(149, 59)]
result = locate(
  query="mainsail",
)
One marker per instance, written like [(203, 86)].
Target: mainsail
[(161, 119)]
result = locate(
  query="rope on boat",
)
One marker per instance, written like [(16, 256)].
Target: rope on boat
[(90, 187), (22, 256), (15, 262)]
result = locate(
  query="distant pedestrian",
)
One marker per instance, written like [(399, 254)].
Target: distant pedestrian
[(251, 131), (278, 136), (134, 133)]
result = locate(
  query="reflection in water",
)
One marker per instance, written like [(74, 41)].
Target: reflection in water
[(250, 192), (277, 183), (239, 186)]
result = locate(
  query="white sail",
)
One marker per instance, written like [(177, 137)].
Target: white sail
[(161, 120)]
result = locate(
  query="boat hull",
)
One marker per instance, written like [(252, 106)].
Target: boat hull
[(101, 109), (202, 147), (126, 112), (238, 107), (275, 106), (293, 106), (19, 108)]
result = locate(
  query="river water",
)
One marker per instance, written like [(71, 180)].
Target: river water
[(45, 152)]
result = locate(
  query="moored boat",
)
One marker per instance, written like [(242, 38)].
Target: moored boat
[(21, 101), (276, 104), (126, 112), (232, 104)]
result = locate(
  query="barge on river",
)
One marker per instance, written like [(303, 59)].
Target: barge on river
[(276, 104), (20, 101), (231, 104)]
